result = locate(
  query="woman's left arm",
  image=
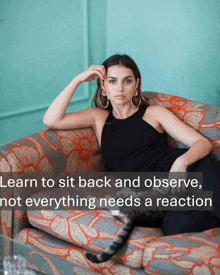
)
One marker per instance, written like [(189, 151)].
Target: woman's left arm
[(199, 145)]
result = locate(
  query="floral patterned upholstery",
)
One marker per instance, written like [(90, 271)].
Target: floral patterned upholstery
[(54, 253), (94, 230), (191, 253), (202, 117), (78, 150)]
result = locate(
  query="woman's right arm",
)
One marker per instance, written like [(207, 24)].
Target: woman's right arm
[(56, 116)]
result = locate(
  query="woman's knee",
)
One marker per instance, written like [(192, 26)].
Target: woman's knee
[(176, 222)]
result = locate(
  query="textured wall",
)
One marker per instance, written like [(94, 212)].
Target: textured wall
[(44, 44), (175, 43)]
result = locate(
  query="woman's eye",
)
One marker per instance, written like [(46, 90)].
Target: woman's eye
[(128, 81), (112, 81)]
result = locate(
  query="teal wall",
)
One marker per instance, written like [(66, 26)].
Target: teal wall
[(176, 44), (44, 44)]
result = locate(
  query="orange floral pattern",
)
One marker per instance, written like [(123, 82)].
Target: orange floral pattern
[(23, 158), (5, 215), (26, 158), (194, 114), (72, 254), (6, 230), (78, 150), (88, 235), (4, 165), (51, 265), (193, 254), (187, 110), (42, 134), (34, 266), (82, 150)]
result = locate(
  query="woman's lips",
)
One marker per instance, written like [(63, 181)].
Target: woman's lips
[(120, 96)]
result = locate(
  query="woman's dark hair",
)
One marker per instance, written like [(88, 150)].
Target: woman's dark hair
[(124, 60)]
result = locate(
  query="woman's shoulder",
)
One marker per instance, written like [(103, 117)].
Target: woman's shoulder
[(156, 110), (99, 117), (98, 113)]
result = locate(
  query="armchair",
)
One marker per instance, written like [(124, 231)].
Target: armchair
[(64, 236)]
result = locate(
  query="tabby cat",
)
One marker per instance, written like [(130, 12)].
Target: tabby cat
[(131, 217)]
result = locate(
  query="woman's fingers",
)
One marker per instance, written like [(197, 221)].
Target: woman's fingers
[(100, 74), (99, 70), (93, 72), (177, 182)]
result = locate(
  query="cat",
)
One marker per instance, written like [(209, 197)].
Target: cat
[(131, 217)]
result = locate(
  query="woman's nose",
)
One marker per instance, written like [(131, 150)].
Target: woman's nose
[(120, 87)]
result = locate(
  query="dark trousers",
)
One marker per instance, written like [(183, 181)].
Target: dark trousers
[(176, 222)]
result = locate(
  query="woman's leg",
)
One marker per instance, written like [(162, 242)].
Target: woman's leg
[(211, 179), (176, 222)]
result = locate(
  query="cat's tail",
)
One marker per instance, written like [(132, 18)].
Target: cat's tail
[(116, 245)]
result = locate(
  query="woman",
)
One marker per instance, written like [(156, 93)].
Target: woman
[(132, 134)]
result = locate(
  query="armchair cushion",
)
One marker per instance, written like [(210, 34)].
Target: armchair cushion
[(94, 230), (189, 253), (50, 254)]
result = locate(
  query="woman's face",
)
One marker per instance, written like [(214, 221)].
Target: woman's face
[(120, 85)]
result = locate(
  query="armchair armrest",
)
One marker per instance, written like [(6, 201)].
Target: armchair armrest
[(204, 118), (47, 151)]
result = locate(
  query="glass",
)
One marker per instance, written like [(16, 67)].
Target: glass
[(14, 264)]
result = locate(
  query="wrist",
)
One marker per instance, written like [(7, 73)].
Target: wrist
[(181, 162), (77, 80)]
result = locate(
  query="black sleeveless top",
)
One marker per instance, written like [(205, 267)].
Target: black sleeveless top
[(133, 145)]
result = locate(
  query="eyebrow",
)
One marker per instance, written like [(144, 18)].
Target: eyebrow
[(129, 76)]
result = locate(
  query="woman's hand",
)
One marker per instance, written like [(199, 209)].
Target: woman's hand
[(178, 171), (92, 73)]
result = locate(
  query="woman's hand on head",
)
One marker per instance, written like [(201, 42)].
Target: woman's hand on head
[(92, 73)]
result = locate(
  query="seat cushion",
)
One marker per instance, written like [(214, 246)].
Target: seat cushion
[(54, 256), (93, 230), (189, 253)]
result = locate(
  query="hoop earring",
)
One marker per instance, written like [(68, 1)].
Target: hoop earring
[(106, 104), (104, 94), (139, 103)]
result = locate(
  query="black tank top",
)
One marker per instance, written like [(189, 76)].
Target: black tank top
[(133, 145)]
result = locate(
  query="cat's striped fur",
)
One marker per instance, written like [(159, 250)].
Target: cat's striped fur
[(130, 218)]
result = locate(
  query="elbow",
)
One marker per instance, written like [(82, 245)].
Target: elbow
[(208, 145), (44, 121), (48, 123)]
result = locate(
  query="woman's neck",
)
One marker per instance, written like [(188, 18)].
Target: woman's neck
[(123, 112)]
